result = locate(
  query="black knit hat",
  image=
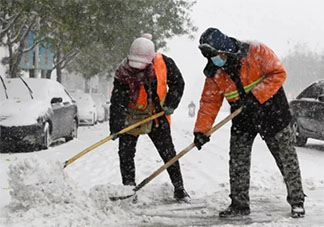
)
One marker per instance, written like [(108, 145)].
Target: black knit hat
[(217, 40), (213, 42)]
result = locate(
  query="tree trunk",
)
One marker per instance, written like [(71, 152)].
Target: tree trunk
[(44, 73), (48, 74), (59, 73), (32, 73), (87, 85), (12, 64), (58, 68)]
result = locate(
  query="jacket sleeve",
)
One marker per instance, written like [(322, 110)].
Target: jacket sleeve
[(118, 106), (274, 73), (175, 84), (210, 103)]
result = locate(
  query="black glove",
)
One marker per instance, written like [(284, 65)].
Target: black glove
[(200, 139), (114, 135), (168, 110)]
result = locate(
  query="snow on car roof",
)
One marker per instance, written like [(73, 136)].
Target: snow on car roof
[(20, 108), (41, 88)]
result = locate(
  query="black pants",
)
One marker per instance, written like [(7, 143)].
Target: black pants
[(162, 140)]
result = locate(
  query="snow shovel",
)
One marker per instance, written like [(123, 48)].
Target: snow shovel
[(178, 156), (68, 162)]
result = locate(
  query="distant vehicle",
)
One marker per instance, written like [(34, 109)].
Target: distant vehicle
[(86, 107), (100, 106), (34, 112), (308, 113), (107, 108)]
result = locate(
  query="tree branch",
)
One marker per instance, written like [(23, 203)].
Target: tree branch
[(68, 58), (10, 23)]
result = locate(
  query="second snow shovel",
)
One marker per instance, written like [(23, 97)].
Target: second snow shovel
[(178, 156), (68, 162)]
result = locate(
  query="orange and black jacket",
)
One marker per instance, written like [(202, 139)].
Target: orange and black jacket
[(260, 72), (120, 100)]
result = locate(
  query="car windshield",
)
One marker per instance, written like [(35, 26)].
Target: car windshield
[(83, 99), (17, 90), (99, 99), (312, 91)]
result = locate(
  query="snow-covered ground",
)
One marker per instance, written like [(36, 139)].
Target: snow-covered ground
[(36, 191)]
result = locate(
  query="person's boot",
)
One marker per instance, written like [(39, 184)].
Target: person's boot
[(181, 195), (297, 210), (234, 211)]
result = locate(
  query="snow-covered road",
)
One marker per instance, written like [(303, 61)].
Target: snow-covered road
[(44, 194)]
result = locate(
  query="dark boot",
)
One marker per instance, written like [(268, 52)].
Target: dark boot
[(181, 195), (297, 211), (234, 211)]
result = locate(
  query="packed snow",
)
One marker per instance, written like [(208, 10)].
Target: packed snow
[(36, 190)]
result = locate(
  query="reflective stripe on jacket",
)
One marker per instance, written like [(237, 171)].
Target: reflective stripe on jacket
[(234, 94), (261, 73)]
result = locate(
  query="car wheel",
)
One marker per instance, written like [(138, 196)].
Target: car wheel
[(46, 136), (299, 140), (74, 132)]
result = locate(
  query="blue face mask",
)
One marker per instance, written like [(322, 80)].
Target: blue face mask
[(218, 61)]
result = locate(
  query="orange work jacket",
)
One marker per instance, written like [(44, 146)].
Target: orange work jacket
[(161, 72), (261, 73)]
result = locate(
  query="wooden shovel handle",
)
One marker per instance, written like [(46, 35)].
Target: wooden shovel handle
[(186, 150), (68, 162)]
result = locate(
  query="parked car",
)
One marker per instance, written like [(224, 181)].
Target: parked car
[(86, 107), (34, 112), (308, 113)]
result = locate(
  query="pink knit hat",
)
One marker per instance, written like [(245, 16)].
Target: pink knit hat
[(142, 52)]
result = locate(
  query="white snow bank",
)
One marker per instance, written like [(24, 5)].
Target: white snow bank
[(44, 195)]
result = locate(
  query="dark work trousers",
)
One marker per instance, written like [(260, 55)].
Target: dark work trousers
[(162, 140), (282, 149)]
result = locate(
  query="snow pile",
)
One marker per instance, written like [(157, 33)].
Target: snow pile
[(44, 195)]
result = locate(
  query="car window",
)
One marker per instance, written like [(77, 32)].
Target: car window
[(312, 91), (16, 90), (68, 94), (59, 91), (98, 99)]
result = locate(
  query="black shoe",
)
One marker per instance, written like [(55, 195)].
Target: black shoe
[(234, 211), (181, 195), (297, 211)]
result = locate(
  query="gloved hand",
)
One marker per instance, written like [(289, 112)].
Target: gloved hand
[(168, 110), (114, 135), (200, 139)]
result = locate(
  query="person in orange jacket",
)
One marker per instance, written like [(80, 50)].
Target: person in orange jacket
[(248, 74), (145, 83)]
